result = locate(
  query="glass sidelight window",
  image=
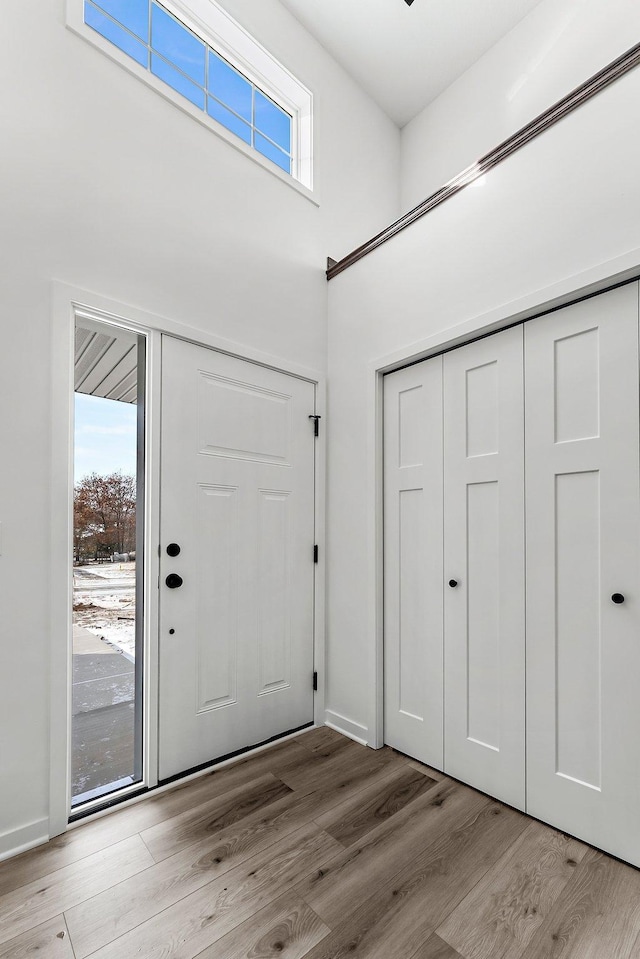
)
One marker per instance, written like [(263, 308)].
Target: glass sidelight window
[(108, 560)]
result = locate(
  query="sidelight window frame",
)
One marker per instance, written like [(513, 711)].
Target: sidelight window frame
[(143, 769)]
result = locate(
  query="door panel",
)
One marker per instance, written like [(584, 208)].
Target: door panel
[(578, 559), (583, 545), (238, 497), (484, 558), (274, 594), (483, 602), (413, 561), (217, 595)]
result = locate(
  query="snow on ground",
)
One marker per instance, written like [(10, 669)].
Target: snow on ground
[(104, 603), (109, 571)]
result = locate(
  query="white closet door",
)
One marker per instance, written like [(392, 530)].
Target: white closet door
[(583, 543), (484, 565), (413, 561)]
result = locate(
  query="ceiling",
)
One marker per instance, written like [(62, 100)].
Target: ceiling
[(405, 56), (106, 362)]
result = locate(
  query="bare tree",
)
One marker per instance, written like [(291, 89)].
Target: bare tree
[(104, 513)]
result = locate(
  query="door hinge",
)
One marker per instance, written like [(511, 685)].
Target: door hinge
[(316, 423), (315, 554), (315, 682)]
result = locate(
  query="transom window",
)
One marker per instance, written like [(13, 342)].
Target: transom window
[(274, 120)]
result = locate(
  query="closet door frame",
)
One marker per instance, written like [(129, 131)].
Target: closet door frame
[(598, 279)]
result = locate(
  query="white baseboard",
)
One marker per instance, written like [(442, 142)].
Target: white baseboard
[(348, 727), (19, 840)]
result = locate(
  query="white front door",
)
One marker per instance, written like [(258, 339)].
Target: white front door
[(237, 501), (583, 578), (484, 566)]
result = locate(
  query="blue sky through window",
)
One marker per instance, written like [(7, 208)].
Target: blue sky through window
[(177, 44), (183, 61), (229, 86), (120, 38), (229, 120), (174, 78), (105, 436), (132, 14), (271, 152), (272, 121)]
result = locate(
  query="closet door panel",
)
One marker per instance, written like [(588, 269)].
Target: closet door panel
[(484, 557), (413, 561), (583, 546)]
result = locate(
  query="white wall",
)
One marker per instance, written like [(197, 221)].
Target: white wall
[(564, 204), (554, 49), (106, 186)]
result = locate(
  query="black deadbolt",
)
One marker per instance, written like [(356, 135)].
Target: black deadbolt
[(173, 549), (173, 581), (617, 598), (453, 583)]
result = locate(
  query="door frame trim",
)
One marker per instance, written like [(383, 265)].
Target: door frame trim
[(591, 282), (67, 302)]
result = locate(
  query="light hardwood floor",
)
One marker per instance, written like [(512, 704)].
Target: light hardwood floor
[(324, 849)]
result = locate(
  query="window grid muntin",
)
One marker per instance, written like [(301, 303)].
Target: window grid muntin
[(95, 4)]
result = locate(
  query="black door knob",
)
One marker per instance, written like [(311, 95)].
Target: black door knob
[(453, 583), (617, 598), (173, 581), (173, 549)]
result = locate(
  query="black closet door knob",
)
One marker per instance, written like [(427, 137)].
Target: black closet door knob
[(173, 549), (173, 581), (617, 598), (453, 583)]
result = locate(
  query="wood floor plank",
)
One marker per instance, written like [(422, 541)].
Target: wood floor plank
[(114, 912), (357, 816), (51, 895), (88, 838), (201, 822), (596, 917), (427, 770), (111, 914), (285, 929), (203, 917), (323, 740), (442, 873), (335, 889), (320, 771), (279, 759), (49, 940), (320, 766), (343, 784), (436, 948), (397, 915), (501, 915)]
